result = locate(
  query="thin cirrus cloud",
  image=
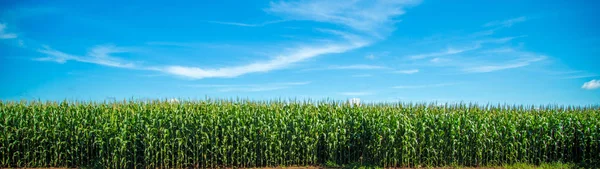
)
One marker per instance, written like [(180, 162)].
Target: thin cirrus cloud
[(100, 55), (423, 86), (485, 55), (348, 67), (375, 18), (477, 44), (375, 21), (571, 74), (352, 67), (506, 23), (448, 51), (247, 24), (492, 68), (591, 85), (4, 34), (356, 93), (410, 71), (279, 62), (580, 76), (362, 75), (363, 24), (371, 57), (250, 87), (358, 67)]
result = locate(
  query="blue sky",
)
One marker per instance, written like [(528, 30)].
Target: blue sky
[(516, 52)]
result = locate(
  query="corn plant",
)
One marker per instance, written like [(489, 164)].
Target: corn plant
[(244, 133)]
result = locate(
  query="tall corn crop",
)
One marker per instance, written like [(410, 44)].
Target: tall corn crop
[(240, 133)]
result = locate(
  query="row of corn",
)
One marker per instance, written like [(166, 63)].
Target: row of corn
[(241, 133)]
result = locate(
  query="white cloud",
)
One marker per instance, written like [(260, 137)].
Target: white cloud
[(580, 76), (362, 75), (250, 87), (492, 68), (100, 55), (499, 40), (376, 55), (374, 17), (246, 24), (358, 67), (411, 71), (453, 51), (356, 93), (499, 50), (370, 57), (439, 60), (280, 62), (423, 86), (570, 74), (351, 16), (4, 34), (367, 20), (449, 51), (506, 23), (349, 67), (591, 85), (485, 55)]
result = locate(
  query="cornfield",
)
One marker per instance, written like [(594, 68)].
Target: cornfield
[(243, 133)]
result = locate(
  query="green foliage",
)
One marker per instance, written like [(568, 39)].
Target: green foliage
[(226, 133)]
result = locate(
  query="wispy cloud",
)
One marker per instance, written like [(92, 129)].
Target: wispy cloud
[(250, 87), (189, 44), (100, 55), (372, 17), (370, 57), (349, 67), (368, 21), (499, 40), (514, 64), (565, 72), (377, 55), (423, 86), (485, 54), (357, 67), (411, 71), (570, 74), (506, 23), (449, 51), (280, 62), (362, 93), (362, 75), (477, 44), (374, 20), (246, 24), (439, 60), (580, 76), (591, 85), (4, 34), (498, 50)]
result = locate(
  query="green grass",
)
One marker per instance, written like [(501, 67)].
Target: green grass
[(241, 133), (555, 165)]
